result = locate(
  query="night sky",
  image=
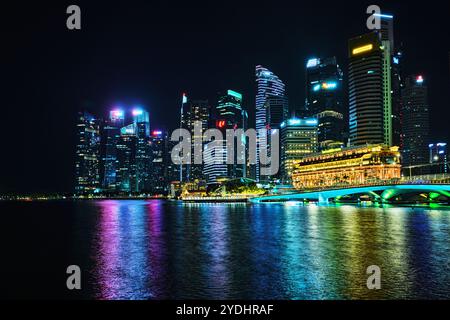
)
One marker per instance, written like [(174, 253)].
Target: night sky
[(149, 52)]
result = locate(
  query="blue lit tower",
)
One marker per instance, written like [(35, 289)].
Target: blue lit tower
[(110, 138), (126, 160), (87, 163), (324, 100), (143, 153), (267, 85)]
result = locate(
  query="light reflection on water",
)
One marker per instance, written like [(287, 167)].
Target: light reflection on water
[(164, 250)]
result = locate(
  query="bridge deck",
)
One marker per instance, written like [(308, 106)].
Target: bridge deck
[(326, 194)]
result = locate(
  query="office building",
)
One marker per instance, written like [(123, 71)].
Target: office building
[(228, 115), (126, 174), (143, 160), (87, 163), (110, 134), (415, 123), (196, 111), (438, 158), (370, 98), (324, 101), (397, 81), (268, 86), (158, 170), (299, 137)]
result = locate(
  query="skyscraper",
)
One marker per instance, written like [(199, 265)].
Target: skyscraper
[(277, 111), (268, 85), (197, 110), (126, 160), (370, 100), (415, 122), (228, 115), (439, 158), (324, 100), (299, 137), (141, 122), (110, 135), (387, 39), (87, 163), (158, 173)]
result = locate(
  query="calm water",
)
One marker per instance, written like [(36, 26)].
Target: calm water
[(165, 250)]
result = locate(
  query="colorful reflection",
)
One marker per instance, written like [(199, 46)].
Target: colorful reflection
[(170, 250)]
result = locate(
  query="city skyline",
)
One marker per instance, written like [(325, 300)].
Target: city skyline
[(200, 87)]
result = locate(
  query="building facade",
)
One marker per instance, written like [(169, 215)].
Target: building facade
[(110, 135), (197, 111), (370, 97), (267, 85), (439, 158), (87, 162), (143, 159), (299, 137), (355, 166), (324, 101), (415, 123), (126, 172), (229, 115), (397, 80)]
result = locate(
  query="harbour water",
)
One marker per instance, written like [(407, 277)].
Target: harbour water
[(156, 249)]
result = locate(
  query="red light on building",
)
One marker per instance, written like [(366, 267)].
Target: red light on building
[(220, 124)]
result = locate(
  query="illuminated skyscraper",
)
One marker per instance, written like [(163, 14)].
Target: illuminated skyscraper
[(299, 137), (387, 38), (159, 175), (268, 85), (87, 163), (143, 163), (277, 111), (228, 115), (197, 110), (439, 158), (324, 100), (370, 100), (126, 160), (415, 121), (110, 136)]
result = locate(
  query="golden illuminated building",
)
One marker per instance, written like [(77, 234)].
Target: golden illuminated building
[(347, 167)]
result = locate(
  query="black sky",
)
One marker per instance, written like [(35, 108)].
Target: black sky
[(149, 52)]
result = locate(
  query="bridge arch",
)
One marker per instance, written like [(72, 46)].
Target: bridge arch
[(387, 192)]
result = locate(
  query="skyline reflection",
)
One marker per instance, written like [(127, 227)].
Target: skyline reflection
[(169, 250)]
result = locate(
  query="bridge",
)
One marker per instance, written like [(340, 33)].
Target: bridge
[(380, 193)]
